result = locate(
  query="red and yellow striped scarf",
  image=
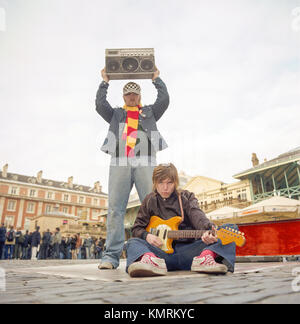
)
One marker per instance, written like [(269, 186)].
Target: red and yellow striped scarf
[(130, 130)]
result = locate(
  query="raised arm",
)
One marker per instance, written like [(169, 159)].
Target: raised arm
[(162, 102), (103, 107)]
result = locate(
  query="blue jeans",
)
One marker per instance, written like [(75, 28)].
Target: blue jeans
[(11, 249), (183, 255), (121, 180)]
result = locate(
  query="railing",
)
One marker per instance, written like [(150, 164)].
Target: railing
[(237, 203), (291, 192)]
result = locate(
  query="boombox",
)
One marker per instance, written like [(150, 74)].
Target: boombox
[(130, 63)]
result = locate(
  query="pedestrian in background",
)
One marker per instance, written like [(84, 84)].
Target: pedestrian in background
[(45, 245), (2, 240), (78, 246), (56, 243), (10, 243), (68, 243), (25, 246), (63, 249), (18, 245), (88, 244), (35, 243), (73, 247)]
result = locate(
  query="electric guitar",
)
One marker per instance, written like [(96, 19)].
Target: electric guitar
[(167, 231)]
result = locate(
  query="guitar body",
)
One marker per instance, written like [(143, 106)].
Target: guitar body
[(161, 227)]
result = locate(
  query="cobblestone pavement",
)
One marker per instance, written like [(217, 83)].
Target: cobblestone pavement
[(70, 281)]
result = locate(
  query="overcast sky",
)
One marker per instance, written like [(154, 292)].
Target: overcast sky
[(231, 67)]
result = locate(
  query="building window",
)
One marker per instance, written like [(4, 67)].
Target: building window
[(14, 190), (11, 206), (32, 193), (244, 196), (27, 224), (95, 214), (81, 200), (65, 210), (9, 221), (96, 201), (50, 195), (30, 207), (66, 197), (79, 212), (48, 208)]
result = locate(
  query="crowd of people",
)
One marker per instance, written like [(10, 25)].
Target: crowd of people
[(14, 244)]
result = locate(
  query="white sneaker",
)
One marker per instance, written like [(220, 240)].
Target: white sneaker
[(148, 266), (208, 264)]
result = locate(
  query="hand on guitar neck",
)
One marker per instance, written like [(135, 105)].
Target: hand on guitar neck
[(209, 237)]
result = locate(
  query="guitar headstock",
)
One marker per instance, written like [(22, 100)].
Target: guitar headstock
[(228, 235)]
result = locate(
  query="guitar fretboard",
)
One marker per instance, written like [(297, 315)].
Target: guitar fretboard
[(186, 234)]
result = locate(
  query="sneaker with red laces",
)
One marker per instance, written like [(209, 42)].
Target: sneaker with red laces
[(207, 264), (148, 266)]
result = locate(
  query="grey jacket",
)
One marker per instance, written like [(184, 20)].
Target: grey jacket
[(149, 116)]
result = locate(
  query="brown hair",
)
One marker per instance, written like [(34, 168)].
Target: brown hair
[(163, 172)]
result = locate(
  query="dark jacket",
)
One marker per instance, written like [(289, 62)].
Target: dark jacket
[(147, 119), (26, 241), (35, 239), (73, 243), (155, 205), (18, 235), (47, 238), (2, 234)]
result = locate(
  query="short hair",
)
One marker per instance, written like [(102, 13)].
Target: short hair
[(163, 172)]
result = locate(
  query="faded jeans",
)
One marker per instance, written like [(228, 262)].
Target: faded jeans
[(121, 180)]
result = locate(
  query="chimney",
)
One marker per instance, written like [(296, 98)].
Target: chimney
[(254, 160), (97, 187), (70, 182), (4, 171), (39, 176)]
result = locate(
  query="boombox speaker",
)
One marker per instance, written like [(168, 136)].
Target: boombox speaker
[(130, 63)]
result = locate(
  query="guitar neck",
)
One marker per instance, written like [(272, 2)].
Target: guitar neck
[(186, 234)]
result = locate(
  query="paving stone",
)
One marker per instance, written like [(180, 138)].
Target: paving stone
[(293, 298), (189, 298), (25, 285)]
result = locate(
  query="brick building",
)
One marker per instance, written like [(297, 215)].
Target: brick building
[(23, 198)]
